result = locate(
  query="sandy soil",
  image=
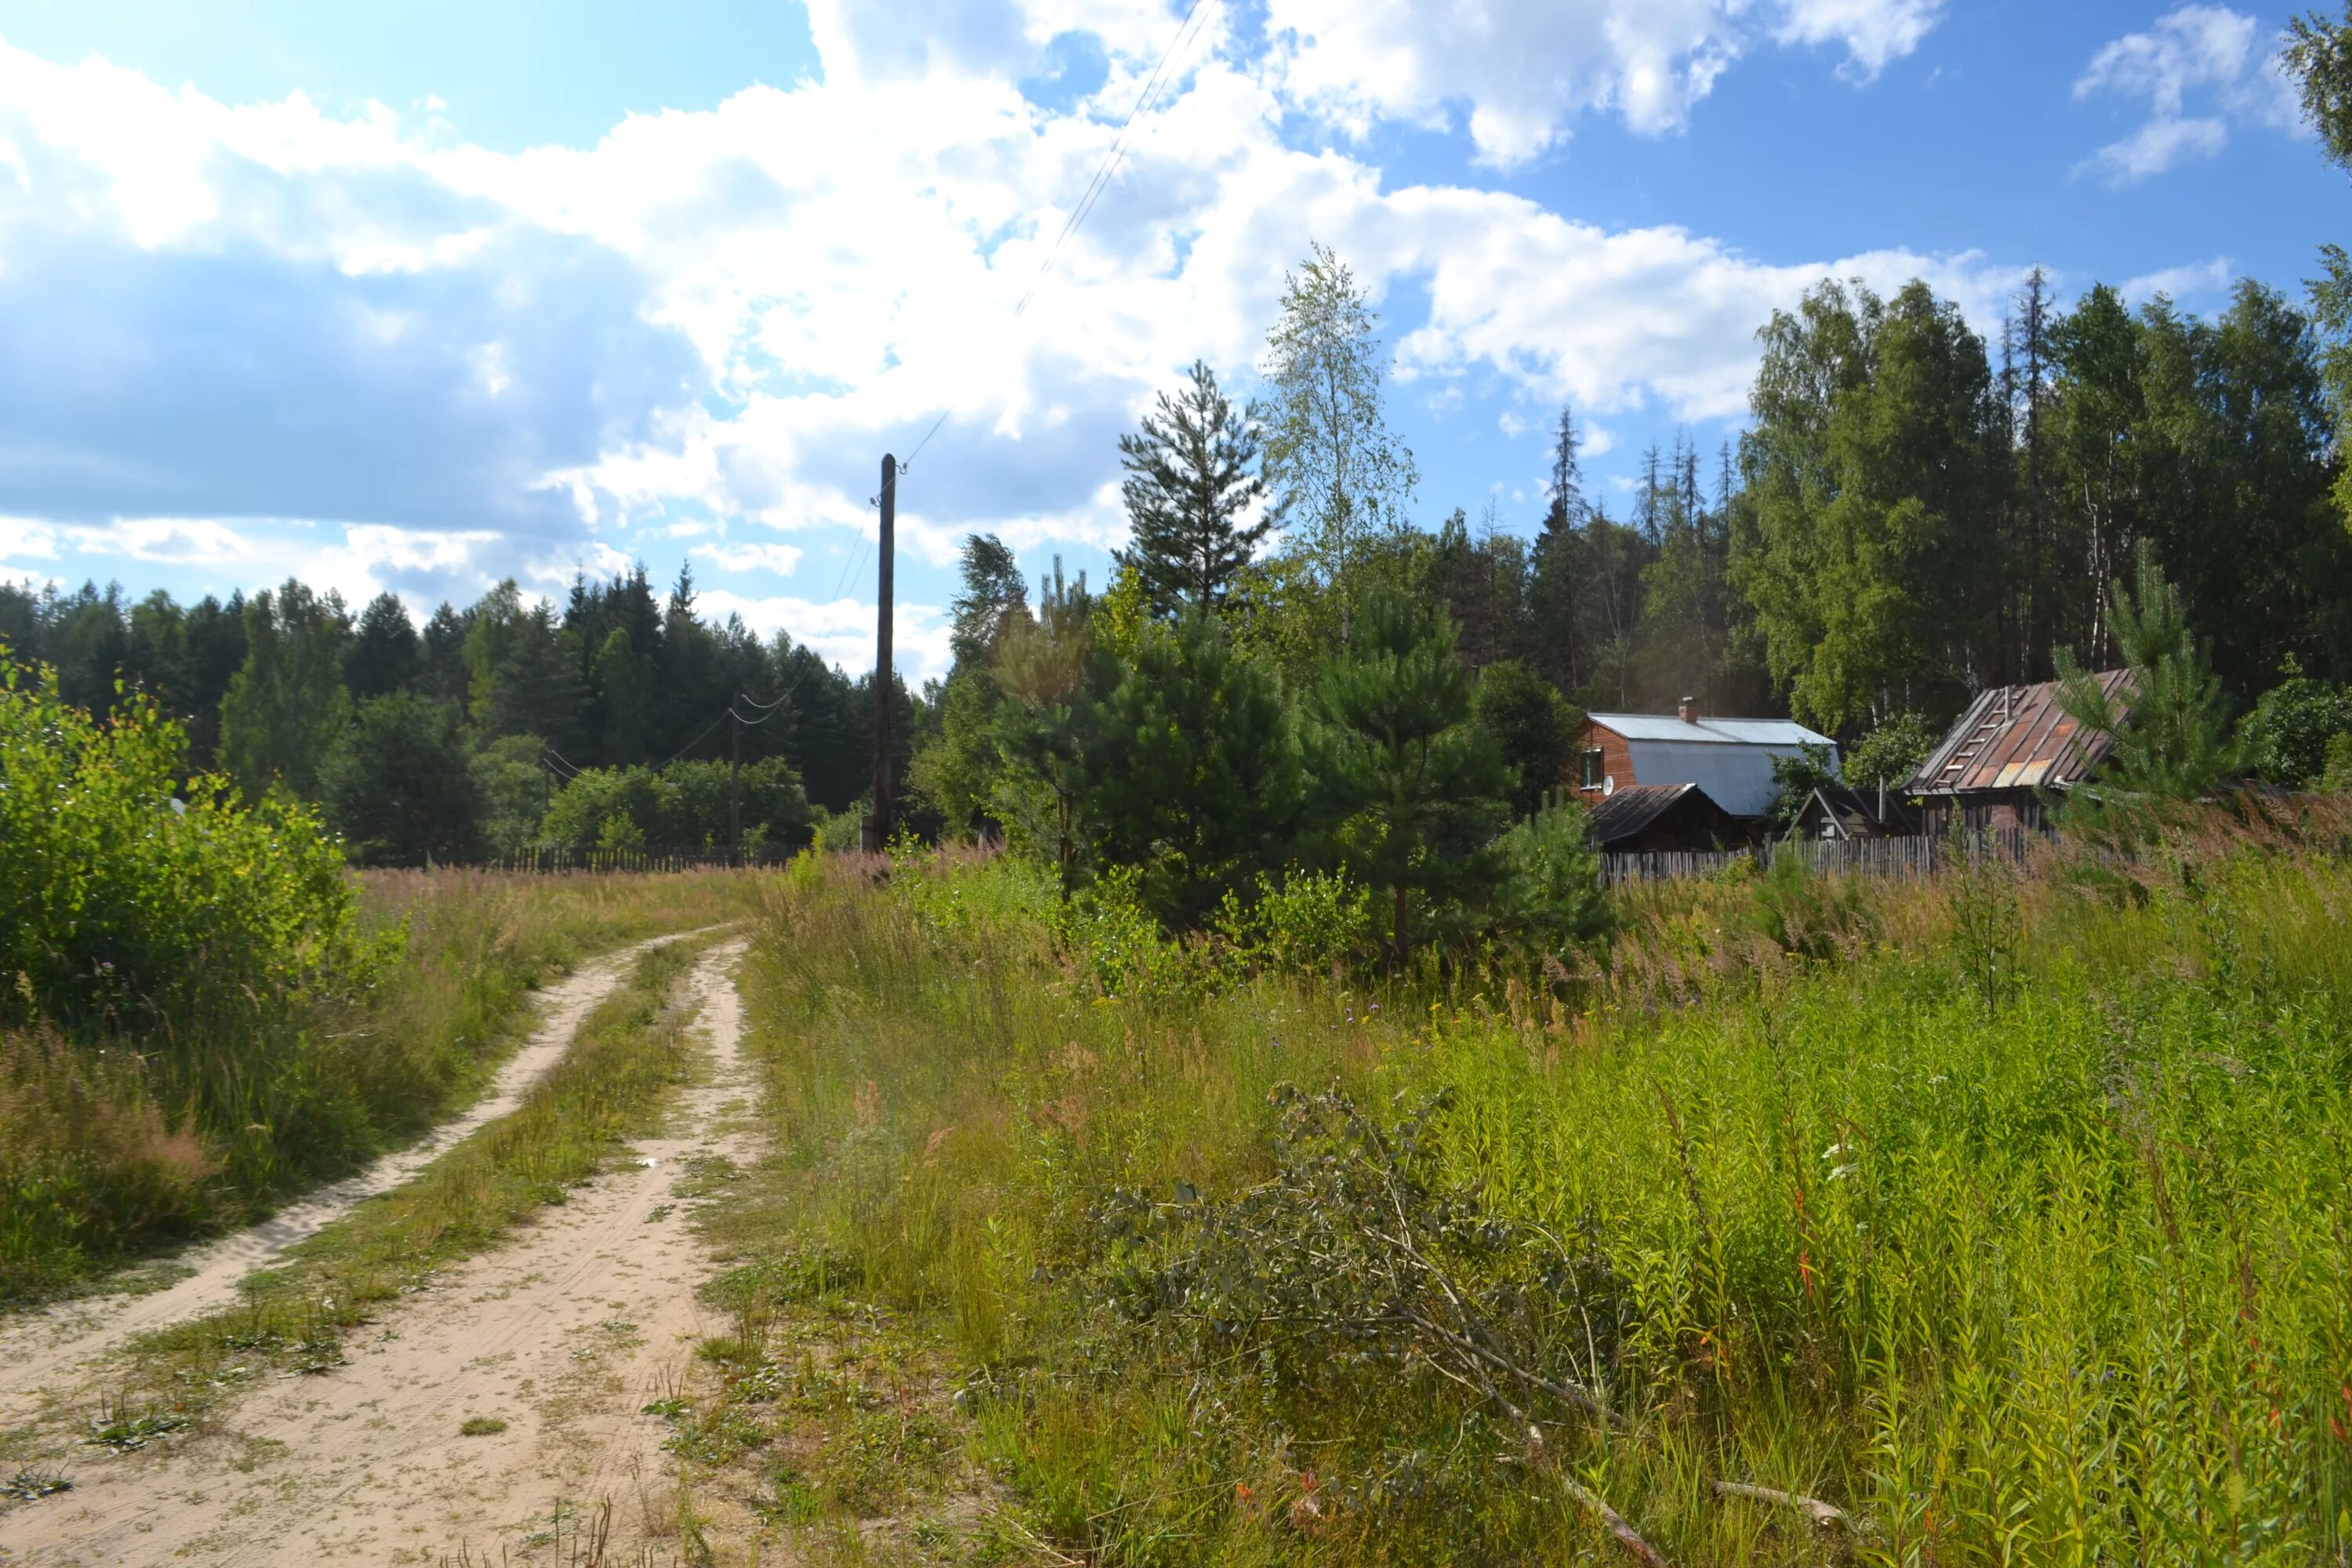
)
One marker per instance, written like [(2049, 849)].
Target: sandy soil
[(565, 1335)]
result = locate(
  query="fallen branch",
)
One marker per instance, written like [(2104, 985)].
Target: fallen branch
[(1822, 1512), (1627, 1536)]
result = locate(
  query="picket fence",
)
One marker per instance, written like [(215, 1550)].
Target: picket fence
[(1917, 855), (558, 862)]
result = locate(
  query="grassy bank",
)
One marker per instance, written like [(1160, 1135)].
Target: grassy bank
[(2001, 1216), (116, 1144)]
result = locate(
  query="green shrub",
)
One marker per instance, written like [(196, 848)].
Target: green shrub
[(124, 907)]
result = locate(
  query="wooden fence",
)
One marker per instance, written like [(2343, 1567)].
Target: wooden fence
[(1918, 855), (557, 862)]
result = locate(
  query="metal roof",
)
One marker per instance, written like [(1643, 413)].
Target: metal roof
[(1629, 808), (2017, 737), (1720, 732)]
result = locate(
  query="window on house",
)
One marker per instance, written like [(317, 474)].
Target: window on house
[(1591, 767)]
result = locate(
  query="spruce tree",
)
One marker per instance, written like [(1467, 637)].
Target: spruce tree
[(383, 656), (1191, 480)]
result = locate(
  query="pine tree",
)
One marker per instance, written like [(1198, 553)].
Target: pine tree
[(2172, 731), (383, 656), (994, 594), (1191, 480), (1411, 787)]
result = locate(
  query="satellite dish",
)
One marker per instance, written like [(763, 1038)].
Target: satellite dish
[(1609, 785)]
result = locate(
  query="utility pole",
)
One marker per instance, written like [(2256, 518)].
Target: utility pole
[(877, 833), (735, 785)]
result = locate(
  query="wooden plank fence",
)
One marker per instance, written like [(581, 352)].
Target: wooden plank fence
[(1915, 855), (561, 862)]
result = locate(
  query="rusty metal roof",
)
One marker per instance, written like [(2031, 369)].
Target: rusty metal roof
[(2017, 737)]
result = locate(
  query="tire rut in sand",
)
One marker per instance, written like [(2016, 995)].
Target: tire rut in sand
[(562, 1334)]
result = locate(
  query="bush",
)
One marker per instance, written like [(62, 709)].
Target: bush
[(2287, 737), (1306, 923), (682, 805), (124, 907)]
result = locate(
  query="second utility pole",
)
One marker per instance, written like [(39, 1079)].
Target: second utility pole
[(885, 689)]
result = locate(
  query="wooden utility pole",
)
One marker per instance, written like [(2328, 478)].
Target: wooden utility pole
[(877, 834), (735, 785)]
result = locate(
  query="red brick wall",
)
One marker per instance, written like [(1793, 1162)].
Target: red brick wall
[(1616, 758)]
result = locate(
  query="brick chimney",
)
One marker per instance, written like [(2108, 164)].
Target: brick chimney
[(1687, 711)]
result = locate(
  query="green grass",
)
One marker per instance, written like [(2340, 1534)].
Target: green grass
[(2005, 1215), (112, 1150), (481, 1426)]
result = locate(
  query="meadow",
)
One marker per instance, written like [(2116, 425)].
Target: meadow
[(1998, 1218)]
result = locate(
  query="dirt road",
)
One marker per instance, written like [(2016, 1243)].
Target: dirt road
[(562, 1335)]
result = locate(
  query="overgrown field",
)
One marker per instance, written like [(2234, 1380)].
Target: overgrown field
[(123, 1132), (1995, 1219)]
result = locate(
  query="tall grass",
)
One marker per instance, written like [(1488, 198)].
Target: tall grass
[(116, 1142), (2004, 1213)]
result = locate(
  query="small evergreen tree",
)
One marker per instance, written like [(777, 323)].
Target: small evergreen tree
[(1192, 771), (1411, 787), (1532, 725), (2170, 734), (1191, 481)]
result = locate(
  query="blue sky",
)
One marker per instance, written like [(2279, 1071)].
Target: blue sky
[(420, 297)]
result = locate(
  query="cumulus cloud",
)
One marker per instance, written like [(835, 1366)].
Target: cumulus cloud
[(2177, 283), (841, 630), (780, 559), (362, 348), (2200, 70), (1523, 69)]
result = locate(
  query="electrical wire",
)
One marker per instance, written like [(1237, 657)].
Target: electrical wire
[(1160, 78)]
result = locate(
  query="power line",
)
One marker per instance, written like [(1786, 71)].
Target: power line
[(1160, 78)]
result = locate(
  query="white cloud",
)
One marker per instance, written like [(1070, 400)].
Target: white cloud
[(1874, 33), (22, 537), (182, 541), (2175, 282), (841, 630), (2219, 57), (484, 364), (780, 559), (1525, 69)]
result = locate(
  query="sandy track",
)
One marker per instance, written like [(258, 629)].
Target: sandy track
[(565, 1333), (42, 1352)]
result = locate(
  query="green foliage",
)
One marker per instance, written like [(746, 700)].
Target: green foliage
[(993, 598), (682, 805), (1306, 923), (287, 707), (1046, 668), (123, 907), (1411, 788), (514, 790), (1190, 480), (1330, 457), (1192, 769), (1793, 780), (400, 784), (1873, 469), (382, 654), (2287, 737), (2171, 735), (1890, 754), (1551, 896), (1531, 725)]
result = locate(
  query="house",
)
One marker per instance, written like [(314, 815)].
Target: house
[(1730, 759), (1661, 816), (1832, 811), (2013, 744)]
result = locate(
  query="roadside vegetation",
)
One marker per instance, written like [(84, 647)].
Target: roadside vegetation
[(204, 1012), (1996, 1217)]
